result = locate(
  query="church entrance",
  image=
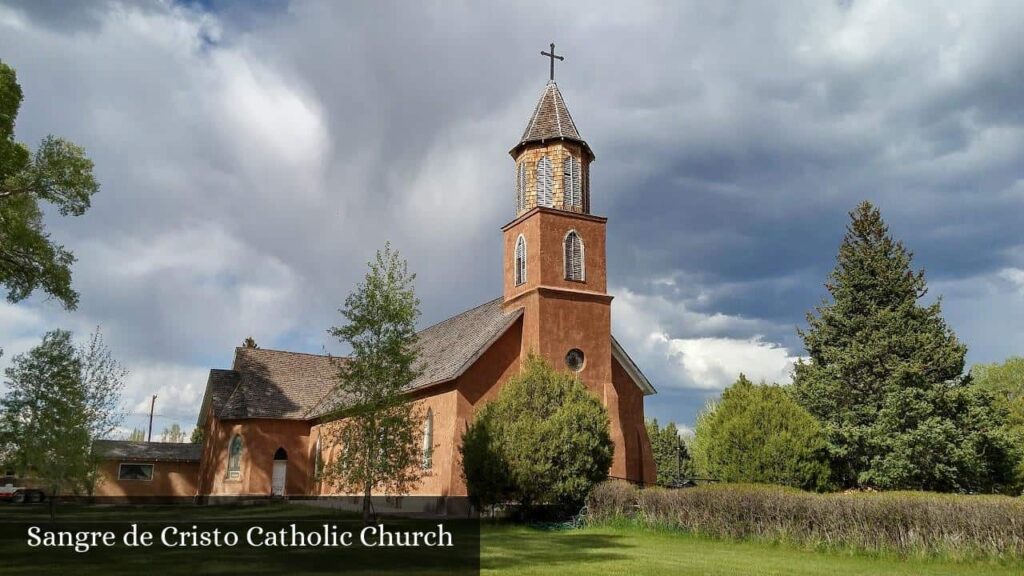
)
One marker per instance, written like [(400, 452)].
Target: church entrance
[(280, 471)]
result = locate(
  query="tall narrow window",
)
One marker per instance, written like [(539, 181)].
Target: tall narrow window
[(571, 181), (520, 188), (317, 459), (520, 260), (428, 440), (545, 182), (574, 257), (235, 457)]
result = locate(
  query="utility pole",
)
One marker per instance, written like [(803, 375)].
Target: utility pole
[(152, 404)]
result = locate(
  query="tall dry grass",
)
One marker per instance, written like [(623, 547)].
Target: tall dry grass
[(905, 523)]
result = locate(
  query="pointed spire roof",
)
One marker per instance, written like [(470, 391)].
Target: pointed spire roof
[(550, 121)]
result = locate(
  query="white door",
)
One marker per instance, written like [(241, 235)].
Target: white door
[(277, 482)]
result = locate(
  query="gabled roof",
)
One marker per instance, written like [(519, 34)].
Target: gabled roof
[(278, 384), (148, 451), (282, 385), (551, 121), (450, 347), (619, 353), (294, 386)]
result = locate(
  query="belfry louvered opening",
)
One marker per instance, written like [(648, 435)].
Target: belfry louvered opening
[(545, 183), (572, 184), (520, 187), (574, 257)]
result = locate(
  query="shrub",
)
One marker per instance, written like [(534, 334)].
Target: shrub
[(905, 523), (544, 440), (758, 433)]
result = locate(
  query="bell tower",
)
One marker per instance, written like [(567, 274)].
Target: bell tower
[(554, 248)]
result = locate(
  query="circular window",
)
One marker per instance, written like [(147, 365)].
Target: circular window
[(574, 359)]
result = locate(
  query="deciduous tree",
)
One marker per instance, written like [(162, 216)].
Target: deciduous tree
[(60, 399), (373, 422), (57, 173)]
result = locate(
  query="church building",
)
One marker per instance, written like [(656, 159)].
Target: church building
[(262, 418)]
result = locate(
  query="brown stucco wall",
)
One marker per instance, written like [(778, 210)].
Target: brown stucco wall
[(261, 439), (170, 479)]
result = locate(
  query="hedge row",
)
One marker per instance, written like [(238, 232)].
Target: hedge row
[(906, 523)]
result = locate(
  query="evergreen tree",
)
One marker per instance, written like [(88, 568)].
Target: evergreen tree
[(544, 440), (197, 435), (137, 435), (373, 422), (671, 458), (758, 433), (884, 375)]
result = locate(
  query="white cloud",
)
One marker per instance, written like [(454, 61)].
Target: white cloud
[(714, 363)]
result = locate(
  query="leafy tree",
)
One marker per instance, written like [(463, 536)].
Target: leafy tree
[(1005, 382), (544, 440), (671, 456), (59, 401), (197, 435), (758, 433), (137, 435), (373, 421), (58, 173), (172, 434), (884, 376)]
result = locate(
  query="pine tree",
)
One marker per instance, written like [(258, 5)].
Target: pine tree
[(885, 375), (671, 458)]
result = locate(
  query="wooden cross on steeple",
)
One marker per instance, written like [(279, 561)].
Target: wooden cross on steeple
[(553, 57)]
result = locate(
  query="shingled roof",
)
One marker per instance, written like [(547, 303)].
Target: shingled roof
[(283, 385), (294, 386), (551, 121), (148, 451)]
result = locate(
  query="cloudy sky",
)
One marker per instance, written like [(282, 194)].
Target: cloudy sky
[(253, 156)]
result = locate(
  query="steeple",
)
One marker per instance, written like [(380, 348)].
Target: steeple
[(552, 159), (550, 122)]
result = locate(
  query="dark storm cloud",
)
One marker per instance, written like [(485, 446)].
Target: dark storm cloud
[(253, 157)]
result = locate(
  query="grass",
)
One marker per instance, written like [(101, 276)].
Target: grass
[(506, 549), (634, 551)]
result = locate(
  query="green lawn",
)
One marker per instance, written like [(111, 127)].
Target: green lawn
[(506, 550), (514, 550)]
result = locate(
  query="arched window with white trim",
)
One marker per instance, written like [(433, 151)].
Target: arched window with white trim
[(545, 182), (428, 440), (235, 458), (571, 184), (574, 257), (520, 187), (520, 260)]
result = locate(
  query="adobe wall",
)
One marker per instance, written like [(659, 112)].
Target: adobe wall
[(170, 479), (441, 402), (261, 438), (636, 460)]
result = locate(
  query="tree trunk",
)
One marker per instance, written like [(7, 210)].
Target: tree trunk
[(54, 491), (366, 504)]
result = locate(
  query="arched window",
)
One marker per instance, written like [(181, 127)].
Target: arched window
[(520, 260), (235, 457), (317, 458), (574, 257), (571, 184), (428, 440), (545, 181), (520, 187)]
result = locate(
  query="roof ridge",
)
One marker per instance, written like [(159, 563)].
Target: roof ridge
[(289, 352)]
